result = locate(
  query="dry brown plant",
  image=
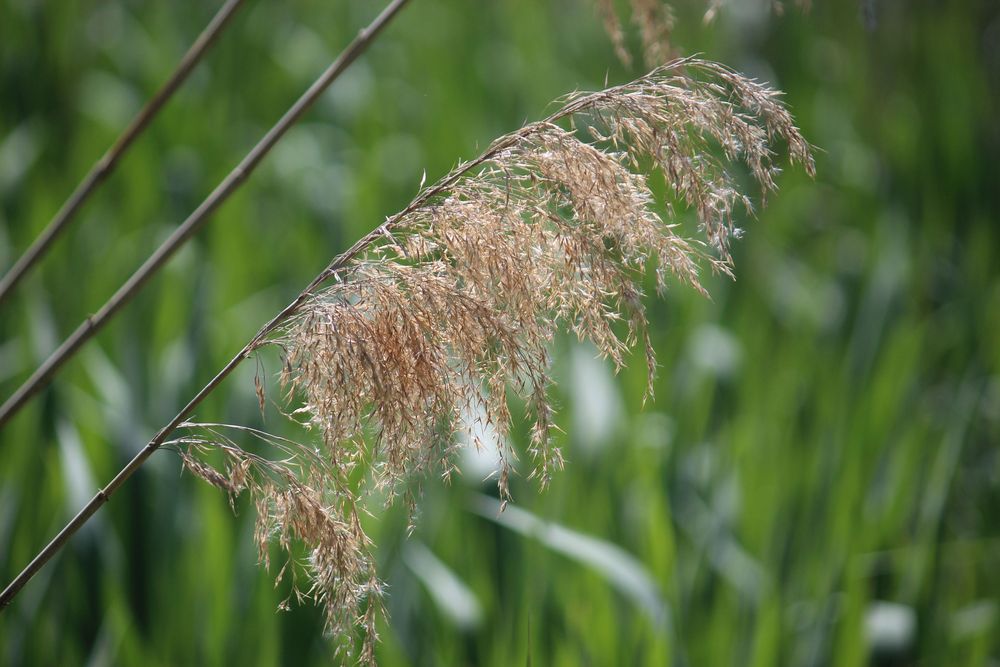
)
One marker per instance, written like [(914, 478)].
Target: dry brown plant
[(449, 308), (654, 20)]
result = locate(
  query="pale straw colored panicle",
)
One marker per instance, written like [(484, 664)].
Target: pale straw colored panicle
[(295, 503), (616, 32), (654, 20), (450, 306)]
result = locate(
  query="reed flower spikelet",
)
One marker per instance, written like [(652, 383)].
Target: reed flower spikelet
[(450, 306)]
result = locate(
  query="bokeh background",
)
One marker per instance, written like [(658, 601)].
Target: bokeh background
[(816, 483)]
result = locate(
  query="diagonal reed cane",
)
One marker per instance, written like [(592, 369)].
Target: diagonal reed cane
[(232, 181), (106, 165)]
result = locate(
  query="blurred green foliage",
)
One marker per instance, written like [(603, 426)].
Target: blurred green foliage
[(816, 483)]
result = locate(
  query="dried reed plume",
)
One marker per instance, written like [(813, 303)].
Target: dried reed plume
[(654, 20), (451, 305)]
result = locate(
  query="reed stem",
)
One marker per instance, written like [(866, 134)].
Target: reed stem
[(106, 165)]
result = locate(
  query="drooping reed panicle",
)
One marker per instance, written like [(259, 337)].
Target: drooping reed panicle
[(450, 306)]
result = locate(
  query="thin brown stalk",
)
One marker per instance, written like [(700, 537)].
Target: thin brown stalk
[(233, 180), (106, 165)]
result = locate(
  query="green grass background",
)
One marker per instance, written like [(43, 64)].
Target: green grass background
[(816, 483)]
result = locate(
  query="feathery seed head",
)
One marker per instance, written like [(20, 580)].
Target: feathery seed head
[(452, 304)]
